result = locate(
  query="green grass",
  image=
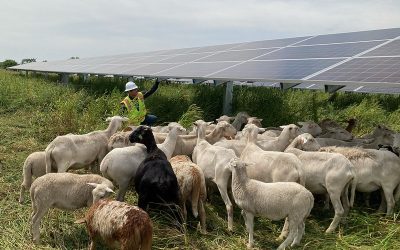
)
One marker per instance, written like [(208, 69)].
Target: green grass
[(33, 111)]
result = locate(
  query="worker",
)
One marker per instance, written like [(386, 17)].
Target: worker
[(133, 104)]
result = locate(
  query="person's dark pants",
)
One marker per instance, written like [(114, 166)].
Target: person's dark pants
[(149, 120)]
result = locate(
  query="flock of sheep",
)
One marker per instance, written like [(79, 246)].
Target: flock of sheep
[(274, 173)]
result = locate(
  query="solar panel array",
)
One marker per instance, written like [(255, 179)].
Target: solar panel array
[(365, 61)]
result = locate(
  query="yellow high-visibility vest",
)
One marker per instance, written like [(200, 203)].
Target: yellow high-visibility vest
[(136, 109)]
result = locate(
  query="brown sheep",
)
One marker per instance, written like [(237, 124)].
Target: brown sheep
[(118, 225)]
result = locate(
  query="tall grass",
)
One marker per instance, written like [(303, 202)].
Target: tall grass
[(34, 110)]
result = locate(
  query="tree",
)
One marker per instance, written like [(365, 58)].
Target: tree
[(8, 63), (74, 57), (28, 60)]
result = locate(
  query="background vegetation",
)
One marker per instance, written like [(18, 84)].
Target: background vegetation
[(34, 110)]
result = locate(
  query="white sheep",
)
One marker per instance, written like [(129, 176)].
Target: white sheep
[(273, 144), (374, 169), (212, 160), (186, 143), (118, 225), (77, 151), (120, 164), (65, 191), (192, 187), (275, 201), (34, 166), (326, 173)]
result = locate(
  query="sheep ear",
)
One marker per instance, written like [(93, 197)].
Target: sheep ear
[(109, 190), (261, 130), (93, 184), (209, 123), (108, 119), (283, 126), (301, 123)]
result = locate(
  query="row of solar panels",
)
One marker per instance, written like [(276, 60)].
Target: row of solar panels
[(368, 57)]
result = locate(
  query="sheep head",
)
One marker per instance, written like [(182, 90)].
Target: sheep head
[(100, 191), (143, 134)]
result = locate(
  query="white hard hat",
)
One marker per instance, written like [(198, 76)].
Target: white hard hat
[(130, 85)]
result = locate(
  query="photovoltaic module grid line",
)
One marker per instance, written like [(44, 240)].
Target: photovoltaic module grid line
[(346, 60), (159, 72), (256, 57)]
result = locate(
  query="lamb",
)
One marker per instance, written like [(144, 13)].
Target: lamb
[(192, 187), (155, 181), (118, 224), (212, 160), (275, 201), (277, 144), (310, 127), (76, 151), (186, 143), (65, 191), (326, 173), (240, 120), (121, 164), (34, 166)]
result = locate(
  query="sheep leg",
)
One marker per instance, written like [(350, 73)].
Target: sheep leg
[(345, 201), (123, 188), (388, 191), (202, 215), (184, 211), (327, 202), (21, 194), (293, 231), (367, 199), (249, 222), (285, 230), (299, 235), (36, 218), (339, 211), (382, 207), (223, 189)]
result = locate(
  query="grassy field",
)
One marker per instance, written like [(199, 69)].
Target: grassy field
[(34, 111)]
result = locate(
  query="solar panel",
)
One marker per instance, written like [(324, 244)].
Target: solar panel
[(282, 69), (370, 69), (366, 58), (383, 34), (390, 49), (320, 51)]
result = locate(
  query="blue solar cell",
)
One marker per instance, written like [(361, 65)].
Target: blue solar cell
[(270, 43), (374, 69), (185, 58), (354, 36), (215, 48), (320, 51), (195, 69), (150, 68), (242, 55), (390, 49), (284, 69)]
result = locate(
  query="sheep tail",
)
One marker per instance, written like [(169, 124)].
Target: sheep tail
[(48, 153), (27, 179), (27, 174), (146, 236), (195, 191)]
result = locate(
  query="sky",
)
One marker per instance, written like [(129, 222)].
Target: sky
[(60, 29)]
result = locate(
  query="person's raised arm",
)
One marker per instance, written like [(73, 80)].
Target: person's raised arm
[(152, 90)]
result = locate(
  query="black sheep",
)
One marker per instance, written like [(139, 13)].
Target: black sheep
[(155, 181)]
